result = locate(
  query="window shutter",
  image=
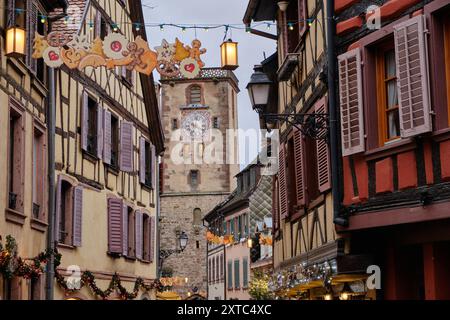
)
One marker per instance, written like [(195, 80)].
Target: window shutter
[(230, 274), (351, 102), (32, 20), (142, 160), (302, 16), (98, 24), (99, 131), (126, 146), (299, 167), (11, 13), (139, 234), (245, 272), (58, 208), (153, 165), (323, 155), (282, 182), (152, 238), (237, 275), (412, 77), (275, 208), (84, 121), (115, 225), (77, 216), (107, 137), (125, 230)]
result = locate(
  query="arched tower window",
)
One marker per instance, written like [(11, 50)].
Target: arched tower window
[(194, 94), (197, 217)]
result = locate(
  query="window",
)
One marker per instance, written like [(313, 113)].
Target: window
[(38, 173), (114, 142), (15, 169), (146, 237), (195, 94), (197, 218), (237, 279), (146, 154), (197, 244), (231, 222), (35, 288), (447, 61), (239, 227), (39, 63), (387, 99), (174, 124), (245, 273), (222, 266), (230, 275), (218, 266), (210, 270), (194, 178), (65, 217), (224, 227), (92, 126), (292, 27), (216, 123), (131, 252), (101, 27), (213, 271), (127, 76), (290, 176)]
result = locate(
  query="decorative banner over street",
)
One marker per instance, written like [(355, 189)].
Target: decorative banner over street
[(74, 51)]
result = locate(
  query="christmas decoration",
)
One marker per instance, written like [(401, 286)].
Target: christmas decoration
[(259, 287)]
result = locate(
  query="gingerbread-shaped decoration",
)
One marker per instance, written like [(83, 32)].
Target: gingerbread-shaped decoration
[(195, 52)]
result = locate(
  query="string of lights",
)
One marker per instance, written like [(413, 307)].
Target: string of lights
[(184, 27)]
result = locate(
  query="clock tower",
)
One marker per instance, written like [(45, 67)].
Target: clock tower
[(198, 167)]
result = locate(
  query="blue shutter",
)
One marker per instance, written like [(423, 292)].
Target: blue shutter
[(237, 280), (230, 274), (245, 272)]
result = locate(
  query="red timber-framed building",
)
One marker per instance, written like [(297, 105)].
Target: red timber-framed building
[(394, 85)]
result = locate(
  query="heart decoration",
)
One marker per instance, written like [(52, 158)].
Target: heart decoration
[(189, 67), (53, 56), (116, 46)]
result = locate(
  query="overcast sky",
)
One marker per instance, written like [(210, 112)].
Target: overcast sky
[(251, 47)]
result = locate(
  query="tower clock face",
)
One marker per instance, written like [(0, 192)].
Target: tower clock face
[(196, 124)]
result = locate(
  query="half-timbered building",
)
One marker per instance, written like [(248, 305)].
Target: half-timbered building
[(23, 147), (310, 260), (108, 138), (394, 86)]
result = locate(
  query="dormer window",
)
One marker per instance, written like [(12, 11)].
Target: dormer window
[(195, 94)]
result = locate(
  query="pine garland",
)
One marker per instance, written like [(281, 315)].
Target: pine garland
[(11, 265)]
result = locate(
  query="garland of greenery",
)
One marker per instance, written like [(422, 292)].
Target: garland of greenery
[(11, 265)]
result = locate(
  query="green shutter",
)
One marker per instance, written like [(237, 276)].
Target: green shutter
[(230, 274), (239, 227), (232, 227), (237, 280), (245, 272), (224, 225)]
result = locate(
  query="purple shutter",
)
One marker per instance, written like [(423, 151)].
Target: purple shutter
[(98, 23), (58, 208), (282, 182), (139, 234), (32, 20), (77, 216), (107, 137), (323, 156), (115, 225), (142, 160), (84, 121), (126, 146), (152, 238), (351, 102), (125, 230), (99, 131), (153, 165), (11, 13), (412, 77), (299, 157)]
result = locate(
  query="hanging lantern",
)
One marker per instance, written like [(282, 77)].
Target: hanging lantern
[(15, 42), (229, 53)]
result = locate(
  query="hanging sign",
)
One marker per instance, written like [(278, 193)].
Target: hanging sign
[(76, 52)]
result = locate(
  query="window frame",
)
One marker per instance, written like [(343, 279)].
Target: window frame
[(115, 141), (381, 82), (189, 94), (39, 196)]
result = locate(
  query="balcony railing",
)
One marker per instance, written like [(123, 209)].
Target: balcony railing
[(209, 73)]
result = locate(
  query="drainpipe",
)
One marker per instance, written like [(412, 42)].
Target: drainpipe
[(158, 214), (334, 132), (50, 268)]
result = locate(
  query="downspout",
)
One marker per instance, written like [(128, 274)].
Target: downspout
[(158, 214), (51, 243), (334, 132)]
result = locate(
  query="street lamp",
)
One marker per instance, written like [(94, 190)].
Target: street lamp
[(182, 241), (15, 42), (229, 55), (258, 89)]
